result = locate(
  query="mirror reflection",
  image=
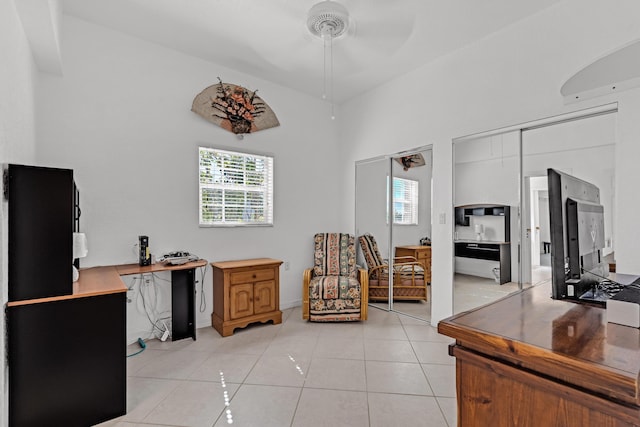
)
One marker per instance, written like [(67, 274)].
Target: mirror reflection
[(486, 233), (583, 148), (393, 227)]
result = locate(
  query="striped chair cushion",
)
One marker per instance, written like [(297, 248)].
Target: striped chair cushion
[(370, 251), (335, 255), (334, 298)]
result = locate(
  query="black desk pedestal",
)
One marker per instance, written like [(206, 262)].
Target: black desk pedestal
[(183, 304), (183, 291)]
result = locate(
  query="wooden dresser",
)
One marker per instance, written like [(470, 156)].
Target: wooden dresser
[(527, 360), (244, 292), (421, 253)]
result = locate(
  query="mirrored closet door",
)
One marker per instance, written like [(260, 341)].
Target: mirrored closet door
[(372, 206), (584, 148), (502, 231), (393, 214), (486, 206)]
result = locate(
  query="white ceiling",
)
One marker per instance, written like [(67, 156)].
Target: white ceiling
[(268, 38)]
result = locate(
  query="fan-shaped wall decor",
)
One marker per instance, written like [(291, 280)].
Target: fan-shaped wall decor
[(234, 108), (411, 161)]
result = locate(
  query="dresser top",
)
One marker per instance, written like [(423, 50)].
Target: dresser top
[(414, 247), (256, 262), (561, 339)]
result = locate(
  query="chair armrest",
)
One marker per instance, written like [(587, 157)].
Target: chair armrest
[(379, 271), (363, 278), (306, 279)]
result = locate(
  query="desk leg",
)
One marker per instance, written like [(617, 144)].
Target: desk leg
[(183, 304)]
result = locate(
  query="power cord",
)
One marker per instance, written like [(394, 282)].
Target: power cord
[(150, 311), (142, 345), (203, 297)]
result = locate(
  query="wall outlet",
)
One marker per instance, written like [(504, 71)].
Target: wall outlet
[(286, 265), (442, 218)]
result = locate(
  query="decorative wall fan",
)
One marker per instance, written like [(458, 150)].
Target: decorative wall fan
[(411, 161), (234, 108)]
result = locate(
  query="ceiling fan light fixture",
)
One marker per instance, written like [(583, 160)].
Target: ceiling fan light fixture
[(328, 16)]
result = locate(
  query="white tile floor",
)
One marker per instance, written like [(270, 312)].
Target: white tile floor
[(391, 370)]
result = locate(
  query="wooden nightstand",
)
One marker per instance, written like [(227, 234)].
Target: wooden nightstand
[(421, 253), (245, 292)]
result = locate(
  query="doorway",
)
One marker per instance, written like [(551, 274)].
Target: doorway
[(538, 234)]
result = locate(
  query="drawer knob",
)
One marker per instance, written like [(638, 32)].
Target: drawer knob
[(254, 276)]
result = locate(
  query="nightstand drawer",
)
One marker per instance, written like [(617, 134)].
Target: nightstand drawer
[(252, 276)]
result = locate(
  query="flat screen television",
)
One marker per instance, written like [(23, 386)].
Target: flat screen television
[(576, 220)]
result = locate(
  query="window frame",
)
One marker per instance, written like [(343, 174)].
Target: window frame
[(267, 189)]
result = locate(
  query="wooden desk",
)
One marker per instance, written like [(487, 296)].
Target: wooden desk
[(422, 254), (67, 354), (183, 313), (528, 360)]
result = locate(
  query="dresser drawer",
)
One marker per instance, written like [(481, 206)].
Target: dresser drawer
[(252, 276)]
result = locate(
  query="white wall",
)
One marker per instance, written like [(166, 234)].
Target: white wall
[(120, 118), (513, 76), (17, 138)]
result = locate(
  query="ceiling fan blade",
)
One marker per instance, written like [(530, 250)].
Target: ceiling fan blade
[(387, 30)]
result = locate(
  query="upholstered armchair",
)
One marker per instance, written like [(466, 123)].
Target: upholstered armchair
[(334, 290), (408, 274)]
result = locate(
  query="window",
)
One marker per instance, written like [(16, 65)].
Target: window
[(405, 201), (235, 189)]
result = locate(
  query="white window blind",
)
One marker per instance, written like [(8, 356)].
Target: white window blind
[(405, 201), (236, 189)]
